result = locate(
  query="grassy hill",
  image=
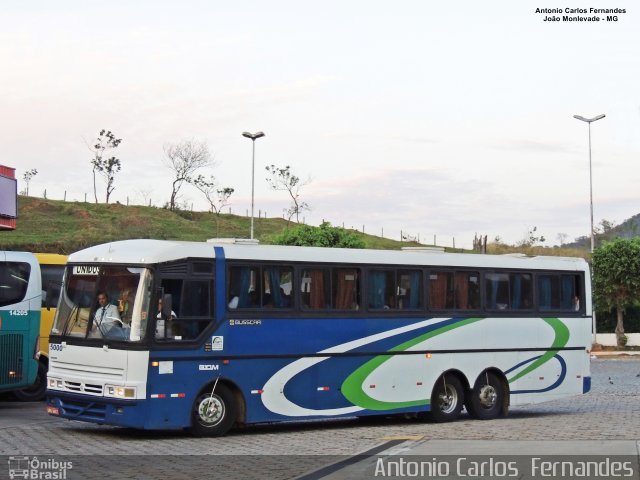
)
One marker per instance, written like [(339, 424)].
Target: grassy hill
[(56, 226), (630, 228)]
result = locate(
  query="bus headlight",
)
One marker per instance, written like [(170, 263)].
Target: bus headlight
[(119, 392), (54, 383)]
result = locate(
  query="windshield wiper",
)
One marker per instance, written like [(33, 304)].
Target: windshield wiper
[(70, 320)]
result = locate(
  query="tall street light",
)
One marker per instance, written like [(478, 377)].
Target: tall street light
[(253, 137), (590, 121)]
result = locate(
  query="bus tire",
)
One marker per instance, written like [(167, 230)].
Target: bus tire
[(37, 391), (487, 398), (214, 414), (447, 399)]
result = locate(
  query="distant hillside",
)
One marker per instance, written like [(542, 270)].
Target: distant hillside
[(63, 227), (628, 229)]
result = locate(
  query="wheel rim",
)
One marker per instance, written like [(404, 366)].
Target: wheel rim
[(211, 410), (448, 399), (488, 396)]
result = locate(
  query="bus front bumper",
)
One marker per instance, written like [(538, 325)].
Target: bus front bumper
[(96, 409)]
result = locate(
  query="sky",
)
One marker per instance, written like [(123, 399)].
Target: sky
[(435, 119)]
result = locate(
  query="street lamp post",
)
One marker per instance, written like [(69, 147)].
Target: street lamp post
[(590, 121), (253, 137)]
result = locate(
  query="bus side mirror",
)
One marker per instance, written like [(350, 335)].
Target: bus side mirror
[(166, 306)]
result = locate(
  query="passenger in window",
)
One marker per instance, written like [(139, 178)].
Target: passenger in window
[(164, 329), (233, 302), (254, 299), (267, 302), (285, 300), (125, 302), (576, 303)]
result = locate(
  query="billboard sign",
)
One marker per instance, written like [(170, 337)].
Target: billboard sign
[(8, 197)]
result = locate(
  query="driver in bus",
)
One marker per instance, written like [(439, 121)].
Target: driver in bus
[(106, 316)]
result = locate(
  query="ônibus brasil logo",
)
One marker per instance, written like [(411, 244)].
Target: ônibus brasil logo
[(40, 469)]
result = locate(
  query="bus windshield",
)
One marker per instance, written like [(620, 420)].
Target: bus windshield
[(104, 302), (14, 280)]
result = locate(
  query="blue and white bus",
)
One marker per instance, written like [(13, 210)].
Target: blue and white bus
[(221, 334), (20, 301)]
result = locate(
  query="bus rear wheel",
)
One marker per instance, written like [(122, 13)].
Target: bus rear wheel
[(38, 390), (487, 397), (446, 399), (213, 413)]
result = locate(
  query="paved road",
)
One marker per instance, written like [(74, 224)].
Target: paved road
[(611, 412)]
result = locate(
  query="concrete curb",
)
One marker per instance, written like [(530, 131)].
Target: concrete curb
[(616, 353)]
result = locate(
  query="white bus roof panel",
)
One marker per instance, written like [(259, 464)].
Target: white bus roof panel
[(159, 251)]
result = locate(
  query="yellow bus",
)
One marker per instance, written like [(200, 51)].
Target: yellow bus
[(51, 268)]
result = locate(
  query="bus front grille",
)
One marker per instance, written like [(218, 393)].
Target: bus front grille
[(81, 387)]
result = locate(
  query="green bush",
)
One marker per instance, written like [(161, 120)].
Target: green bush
[(323, 236), (606, 321)]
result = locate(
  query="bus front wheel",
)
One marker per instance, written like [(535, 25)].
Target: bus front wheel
[(213, 413), (487, 398), (446, 399)]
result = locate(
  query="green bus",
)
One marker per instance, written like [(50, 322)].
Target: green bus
[(20, 304)]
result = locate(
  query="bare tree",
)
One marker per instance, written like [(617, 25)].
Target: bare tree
[(532, 238), (145, 193), (107, 167), (218, 198), (184, 159), (28, 175), (283, 179), (562, 238)]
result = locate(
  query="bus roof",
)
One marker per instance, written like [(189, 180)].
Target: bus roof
[(13, 256), (149, 252), (51, 258)]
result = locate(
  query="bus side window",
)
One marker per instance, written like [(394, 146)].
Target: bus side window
[(314, 289), (497, 291), (558, 292), (409, 289), (277, 284), (381, 289), (243, 285), (346, 289), (440, 290)]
